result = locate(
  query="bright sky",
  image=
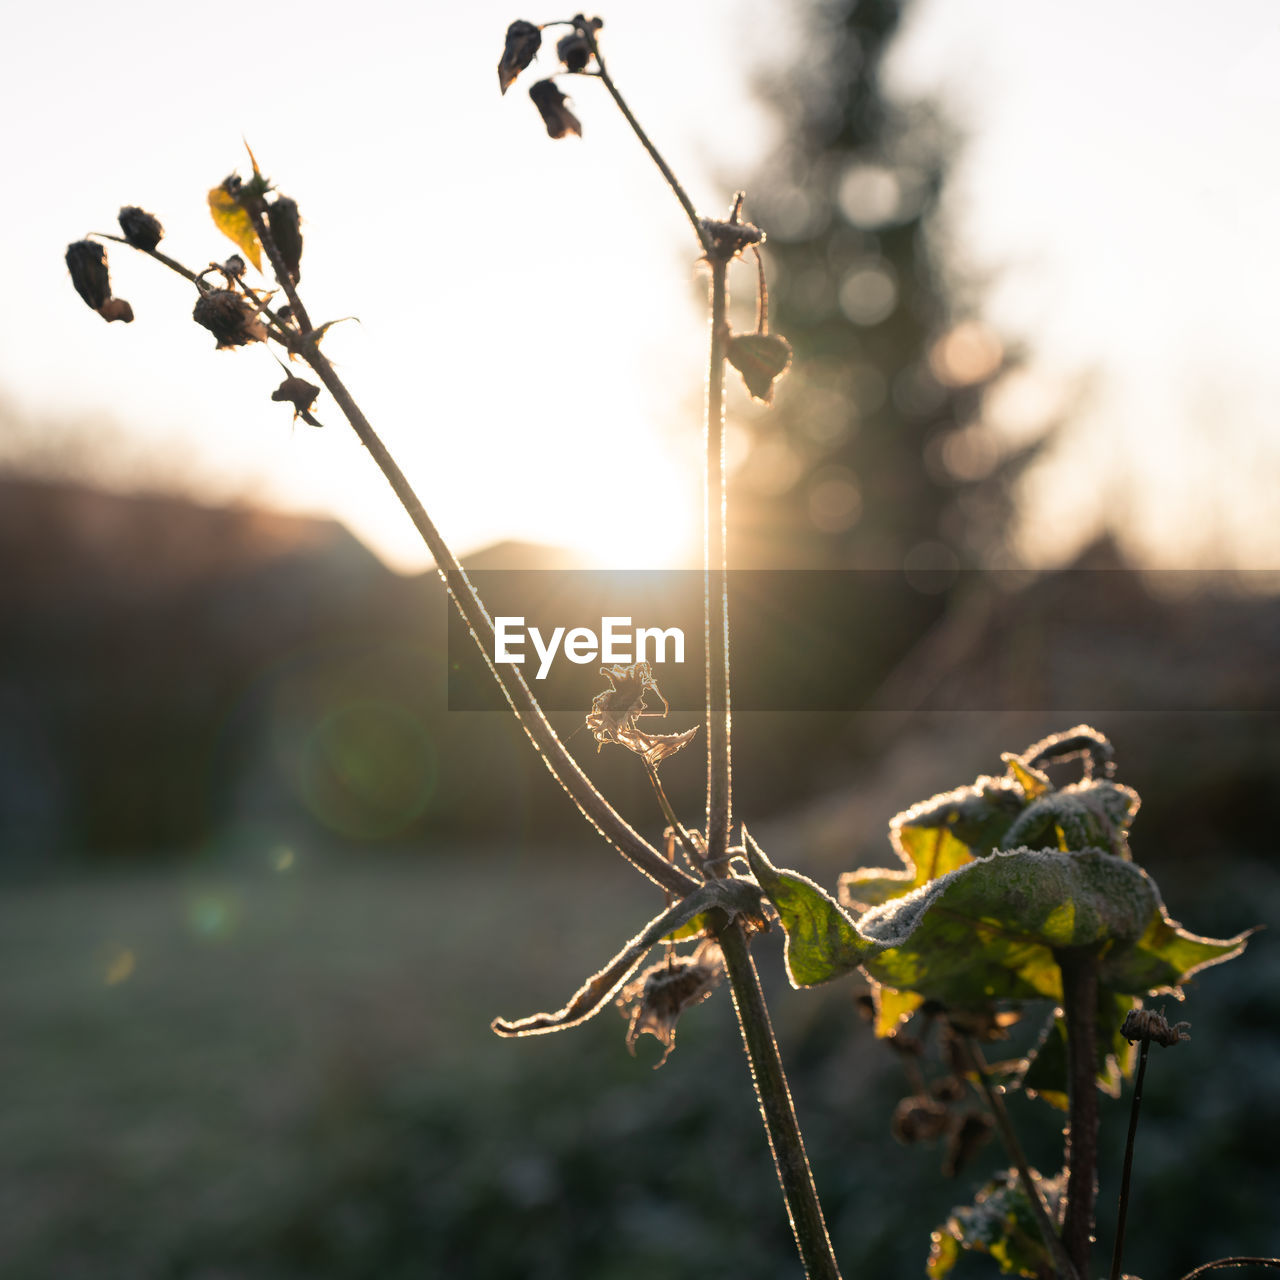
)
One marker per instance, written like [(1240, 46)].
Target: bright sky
[(531, 341)]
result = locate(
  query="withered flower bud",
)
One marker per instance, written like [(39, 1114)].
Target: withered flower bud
[(949, 1089), (302, 395), (918, 1119), (523, 42), (761, 358), (286, 231), (614, 714), (234, 267), (555, 115), (1146, 1024), (141, 229), (87, 262), (229, 317), (965, 1141), (574, 51), (654, 1001)]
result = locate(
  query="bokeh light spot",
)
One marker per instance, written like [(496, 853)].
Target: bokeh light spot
[(970, 353), (869, 292), (120, 966), (283, 858), (368, 770), (213, 916), (835, 501)]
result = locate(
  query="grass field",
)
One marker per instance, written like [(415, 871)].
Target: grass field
[(287, 1071)]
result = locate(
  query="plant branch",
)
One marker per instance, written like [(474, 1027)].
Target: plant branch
[(1123, 1211), (774, 1095), (655, 155), (1079, 966), (1222, 1263), (686, 840), (1062, 1263), (716, 579)]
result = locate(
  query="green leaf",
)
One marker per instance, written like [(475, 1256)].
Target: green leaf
[(1086, 815), (987, 930), (1001, 1223), (893, 1007), (1046, 1073), (935, 837), (822, 941), (695, 928)]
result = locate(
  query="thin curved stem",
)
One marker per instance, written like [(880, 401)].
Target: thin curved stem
[(686, 840), (777, 1109), (1122, 1212), (1063, 1265), (716, 580), (1221, 1264), (654, 154)]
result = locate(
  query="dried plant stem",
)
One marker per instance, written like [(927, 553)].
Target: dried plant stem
[(1221, 1264), (716, 580), (774, 1095), (564, 768), (1062, 1264), (1122, 1212), (654, 154), (686, 840), (1079, 966)]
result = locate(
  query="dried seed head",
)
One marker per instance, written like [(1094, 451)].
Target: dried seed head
[(302, 395), (286, 231), (761, 358), (918, 1119), (229, 317), (654, 1001), (141, 229), (234, 267), (949, 1089), (966, 1139), (1147, 1024), (555, 115), (574, 51), (87, 262), (523, 42)]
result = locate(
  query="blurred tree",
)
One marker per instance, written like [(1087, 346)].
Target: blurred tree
[(876, 456)]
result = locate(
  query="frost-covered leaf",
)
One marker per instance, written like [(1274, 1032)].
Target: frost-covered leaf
[(937, 836), (988, 929), (232, 219), (1086, 815), (822, 941), (736, 897), (1000, 1222)]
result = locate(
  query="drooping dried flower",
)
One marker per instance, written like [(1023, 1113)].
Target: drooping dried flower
[(523, 42), (141, 229), (919, 1119), (654, 1001), (302, 395), (286, 230), (555, 115), (761, 358), (87, 262), (229, 317), (1147, 1024), (614, 714)]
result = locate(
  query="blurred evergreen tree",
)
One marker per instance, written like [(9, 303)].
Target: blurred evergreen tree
[(875, 455)]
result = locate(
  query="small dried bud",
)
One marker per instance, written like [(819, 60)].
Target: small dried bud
[(966, 1139), (655, 1000), (574, 51), (234, 267), (1146, 1024), (286, 231), (555, 115), (229, 317), (141, 229), (302, 395), (87, 262), (761, 358), (918, 1119), (523, 42)]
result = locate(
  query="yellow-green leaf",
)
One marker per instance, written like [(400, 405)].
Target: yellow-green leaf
[(234, 222), (893, 1007)]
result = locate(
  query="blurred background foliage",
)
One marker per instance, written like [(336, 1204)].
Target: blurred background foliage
[(263, 892)]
